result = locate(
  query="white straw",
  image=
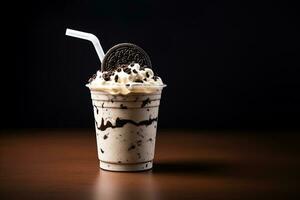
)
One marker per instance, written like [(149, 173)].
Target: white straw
[(90, 37)]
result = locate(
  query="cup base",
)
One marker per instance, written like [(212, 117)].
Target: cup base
[(123, 167)]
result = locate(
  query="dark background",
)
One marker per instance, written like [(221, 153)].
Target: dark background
[(228, 65)]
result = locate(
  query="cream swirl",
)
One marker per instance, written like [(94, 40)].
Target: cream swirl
[(125, 80)]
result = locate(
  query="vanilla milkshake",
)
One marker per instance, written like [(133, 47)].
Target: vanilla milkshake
[(126, 100)]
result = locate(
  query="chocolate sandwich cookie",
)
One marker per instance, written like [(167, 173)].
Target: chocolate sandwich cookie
[(125, 54)]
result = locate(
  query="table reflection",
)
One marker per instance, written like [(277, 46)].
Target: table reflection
[(120, 185)]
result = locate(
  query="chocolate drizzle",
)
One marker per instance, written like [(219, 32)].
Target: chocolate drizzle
[(123, 122), (97, 111)]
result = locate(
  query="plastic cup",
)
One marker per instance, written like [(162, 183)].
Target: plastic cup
[(126, 129)]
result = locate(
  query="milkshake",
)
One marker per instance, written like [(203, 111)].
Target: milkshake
[(126, 96)]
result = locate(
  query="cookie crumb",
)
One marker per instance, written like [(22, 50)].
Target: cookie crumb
[(116, 78)]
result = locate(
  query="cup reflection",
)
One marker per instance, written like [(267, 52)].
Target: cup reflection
[(120, 185)]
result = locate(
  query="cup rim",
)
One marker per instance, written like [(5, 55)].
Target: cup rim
[(122, 85)]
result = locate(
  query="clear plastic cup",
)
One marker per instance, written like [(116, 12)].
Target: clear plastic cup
[(126, 129)]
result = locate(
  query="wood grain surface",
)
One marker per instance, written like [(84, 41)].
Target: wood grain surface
[(62, 164)]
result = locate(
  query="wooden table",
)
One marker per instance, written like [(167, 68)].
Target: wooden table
[(62, 164)]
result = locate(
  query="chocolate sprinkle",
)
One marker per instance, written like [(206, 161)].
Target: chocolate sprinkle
[(138, 81), (131, 147), (127, 70), (134, 71), (116, 78), (123, 107), (106, 76), (101, 150), (105, 137), (138, 133), (147, 75), (155, 78), (139, 142), (92, 78), (145, 102)]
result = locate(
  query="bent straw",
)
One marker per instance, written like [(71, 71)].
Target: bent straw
[(90, 37)]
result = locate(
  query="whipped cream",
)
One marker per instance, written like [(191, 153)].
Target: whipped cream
[(125, 80)]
